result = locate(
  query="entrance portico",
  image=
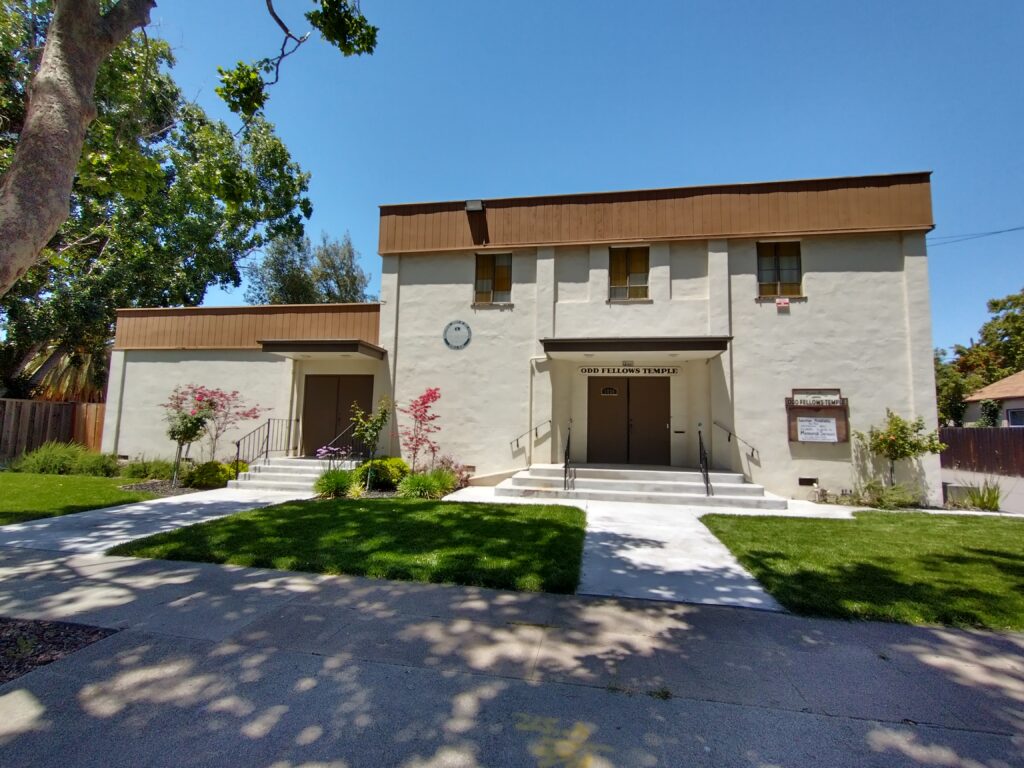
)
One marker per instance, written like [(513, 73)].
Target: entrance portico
[(633, 401)]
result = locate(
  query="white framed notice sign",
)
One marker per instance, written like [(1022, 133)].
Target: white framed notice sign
[(816, 429)]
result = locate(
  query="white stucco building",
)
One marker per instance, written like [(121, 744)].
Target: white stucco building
[(769, 321)]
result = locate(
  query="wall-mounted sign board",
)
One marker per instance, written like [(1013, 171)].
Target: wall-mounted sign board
[(619, 370), (818, 416), (816, 429)]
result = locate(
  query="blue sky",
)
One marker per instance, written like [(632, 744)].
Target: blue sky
[(477, 99)]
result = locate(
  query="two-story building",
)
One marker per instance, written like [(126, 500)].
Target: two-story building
[(767, 322)]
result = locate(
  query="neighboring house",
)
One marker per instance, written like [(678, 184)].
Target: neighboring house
[(768, 321), (1008, 392)]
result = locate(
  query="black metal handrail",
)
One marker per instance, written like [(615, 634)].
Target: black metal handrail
[(272, 435), (568, 471), (730, 435), (703, 456), (514, 443)]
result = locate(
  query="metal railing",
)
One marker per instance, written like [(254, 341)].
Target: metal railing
[(730, 435), (272, 435), (703, 454), (514, 442), (568, 471)]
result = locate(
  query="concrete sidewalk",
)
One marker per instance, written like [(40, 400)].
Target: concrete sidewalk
[(663, 551), (222, 666), (100, 529)]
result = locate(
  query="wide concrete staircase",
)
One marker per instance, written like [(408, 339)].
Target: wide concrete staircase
[(644, 486), (284, 474)]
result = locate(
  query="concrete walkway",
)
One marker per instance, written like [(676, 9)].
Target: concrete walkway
[(228, 667), (100, 529), (663, 551)]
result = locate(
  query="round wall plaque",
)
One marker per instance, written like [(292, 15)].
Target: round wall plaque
[(457, 335)]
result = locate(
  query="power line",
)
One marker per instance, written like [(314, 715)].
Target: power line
[(950, 239)]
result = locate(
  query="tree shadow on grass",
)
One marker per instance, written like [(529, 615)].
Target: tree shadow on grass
[(532, 548), (861, 590)]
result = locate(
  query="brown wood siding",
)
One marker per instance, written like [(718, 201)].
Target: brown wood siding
[(243, 327), (899, 202)]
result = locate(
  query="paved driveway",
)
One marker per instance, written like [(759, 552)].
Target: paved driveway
[(229, 667), (100, 529)]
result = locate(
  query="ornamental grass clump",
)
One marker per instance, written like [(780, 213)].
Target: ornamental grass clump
[(334, 483)]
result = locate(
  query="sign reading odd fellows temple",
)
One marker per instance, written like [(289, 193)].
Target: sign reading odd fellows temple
[(626, 370)]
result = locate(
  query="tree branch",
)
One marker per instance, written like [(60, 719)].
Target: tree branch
[(120, 20)]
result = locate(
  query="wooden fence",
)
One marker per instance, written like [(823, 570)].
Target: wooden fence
[(27, 424), (996, 450)]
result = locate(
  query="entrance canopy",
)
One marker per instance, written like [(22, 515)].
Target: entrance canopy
[(636, 349), (308, 349)]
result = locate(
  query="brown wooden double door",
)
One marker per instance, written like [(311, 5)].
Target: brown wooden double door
[(628, 420), (327, 409)]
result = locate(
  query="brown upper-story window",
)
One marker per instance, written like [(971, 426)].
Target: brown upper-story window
[(493, 278), (778, 269), (628, 272)]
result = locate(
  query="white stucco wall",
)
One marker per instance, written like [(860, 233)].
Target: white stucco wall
[(864, 327), (142, 380)]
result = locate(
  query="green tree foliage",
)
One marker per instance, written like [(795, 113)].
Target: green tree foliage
[(998, 353), (899, 439), (952, 385), (166, 204), (990, 413), (296, 272)]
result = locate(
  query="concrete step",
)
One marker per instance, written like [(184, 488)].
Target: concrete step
[(276, 485), (746, 502), (625, 473), (279, 477), (693, 487)]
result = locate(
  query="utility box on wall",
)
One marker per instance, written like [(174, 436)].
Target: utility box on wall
[(818, 416)]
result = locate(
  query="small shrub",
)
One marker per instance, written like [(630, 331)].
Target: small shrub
[(243, 466), (97, 464), (50, 458), (333, 483), (386, 475), (422, 486), (985, 496), (355, 491), (148, 469), (461, 471), (444, 479), (880, 496), (991, 413), (212, 474)]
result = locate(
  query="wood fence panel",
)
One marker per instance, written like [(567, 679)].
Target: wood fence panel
[(996, 450), (88, 426), (27, 424)]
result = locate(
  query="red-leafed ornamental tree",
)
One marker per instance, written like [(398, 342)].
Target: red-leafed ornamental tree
[(416, 438)]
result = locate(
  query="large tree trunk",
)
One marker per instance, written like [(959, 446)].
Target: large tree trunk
[(35, 192)]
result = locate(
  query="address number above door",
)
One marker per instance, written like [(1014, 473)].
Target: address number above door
[(457, 335)]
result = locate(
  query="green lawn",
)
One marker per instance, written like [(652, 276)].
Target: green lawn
[(889, 566), (524, 547), (25, 496)]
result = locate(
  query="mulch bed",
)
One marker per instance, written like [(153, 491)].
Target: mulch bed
[(159, 488), (25, 645)]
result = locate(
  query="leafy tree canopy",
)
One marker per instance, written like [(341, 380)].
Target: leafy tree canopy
[(998, 353), (296, 272), (165, 203)]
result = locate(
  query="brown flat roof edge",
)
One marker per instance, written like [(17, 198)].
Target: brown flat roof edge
[(692, 189), (253, 309), (357, 346), (640, 344)]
